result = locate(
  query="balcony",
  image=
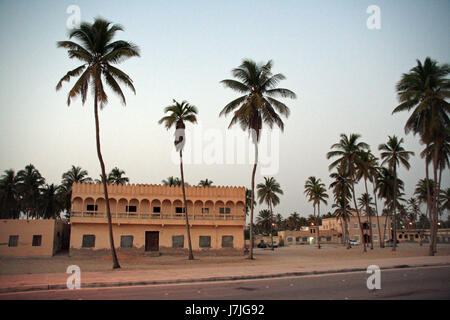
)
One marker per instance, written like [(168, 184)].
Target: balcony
[(158, 219)]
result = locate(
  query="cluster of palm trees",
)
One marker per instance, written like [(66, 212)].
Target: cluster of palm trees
[(424, 89), (27, 194), (176, 182)]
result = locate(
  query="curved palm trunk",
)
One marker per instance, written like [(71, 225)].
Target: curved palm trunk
[(347, 235), (370, 217), (380, 240), (429, 203), (271, 226), (105, 188), (191, 255), (435, 201), (253, 201), (359, 218)]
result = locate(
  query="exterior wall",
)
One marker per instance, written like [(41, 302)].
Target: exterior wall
[(354, 230), (204, 207), (25, 229), (165, 236), (412, 235), (290, 238)]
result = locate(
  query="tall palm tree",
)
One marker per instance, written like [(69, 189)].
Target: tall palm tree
[(98, 53), (9, 195), (394, 154), (293, 221), (413, 204), (116, 176), (268, 192), (316, 192), (348, 150), (343, 213), (30, 182), (365, 203), (424, 90), (179, 113), (73, 175), (205, 183), (264, 221), (257, 106)]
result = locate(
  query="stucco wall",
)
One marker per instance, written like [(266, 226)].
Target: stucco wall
[(165, 235), (25, 229)]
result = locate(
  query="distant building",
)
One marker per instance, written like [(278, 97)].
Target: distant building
[(150, 218), (26, 238)]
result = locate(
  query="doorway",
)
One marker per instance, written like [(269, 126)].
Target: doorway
[(151, 240)]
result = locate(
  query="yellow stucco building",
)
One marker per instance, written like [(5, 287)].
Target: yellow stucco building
[(150, 218)]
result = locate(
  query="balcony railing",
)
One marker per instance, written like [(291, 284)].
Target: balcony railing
[(93, 214)]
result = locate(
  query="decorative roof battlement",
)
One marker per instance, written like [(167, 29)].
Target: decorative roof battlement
[(158, 190)]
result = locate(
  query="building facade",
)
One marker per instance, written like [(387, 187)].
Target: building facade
[(150, 218), (335, 225), (30, 238)]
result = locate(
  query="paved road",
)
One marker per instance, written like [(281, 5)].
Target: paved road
[(408, 283)]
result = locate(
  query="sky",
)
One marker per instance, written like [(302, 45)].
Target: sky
[(344, 75)]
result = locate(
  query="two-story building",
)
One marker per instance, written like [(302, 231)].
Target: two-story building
[(151, 217)]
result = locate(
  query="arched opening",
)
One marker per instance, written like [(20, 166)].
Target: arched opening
[(77, 205), (208, 208), (219, 207), (166, 207), (101, 206), (122, 206), (198, 206), (156, 207), (144, 206), (240, 208), (177, 208)]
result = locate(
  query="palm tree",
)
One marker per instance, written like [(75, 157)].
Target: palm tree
[(415, 213), (268, 192), (179, 113), (73, 175), (293, 222), (257, 106), (98, 53), (365, 202), (9, 194), (348, 150), (425, 90), (316, 192), (343, 213), (171, 182), (205, 183), (264, 221), (116, 176), (394, 154), (29, 186), (51, 203)]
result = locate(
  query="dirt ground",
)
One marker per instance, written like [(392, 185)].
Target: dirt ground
[(303, 253)]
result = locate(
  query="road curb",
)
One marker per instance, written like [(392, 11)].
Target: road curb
[(29, 288)]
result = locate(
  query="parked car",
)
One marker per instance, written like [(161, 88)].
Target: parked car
[(354, 242), (275, 244)]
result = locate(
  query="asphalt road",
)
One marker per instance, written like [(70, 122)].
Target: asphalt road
[(404, 284)]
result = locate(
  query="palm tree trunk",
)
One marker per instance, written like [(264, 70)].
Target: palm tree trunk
[(394, 246), (191, 255), (380, 240), (429, 203), (370, 218), (317, 223), (343, 232), (271, 224), (105, 188), (253, 200), (435, 200), (359, 218)]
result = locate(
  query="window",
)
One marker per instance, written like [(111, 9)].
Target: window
[(227, 241), (205, 242), (88, 241), (179, 210), (355, 226), (297, 239), (289, 239), (375, 237), (406, 236), (385, 237), (374, 225), (205, 210), (400, 236), (37, 240), (328, 238), (356, 238), (416, 236), (224, 210), (91, 207), (131, 209), (13, 241), (126, 241), (305, 239), (177, 241), (156, 209)]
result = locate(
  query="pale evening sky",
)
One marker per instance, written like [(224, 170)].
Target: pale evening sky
[(343, 73)]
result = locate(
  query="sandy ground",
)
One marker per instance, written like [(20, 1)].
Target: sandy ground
[(304, 254)]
